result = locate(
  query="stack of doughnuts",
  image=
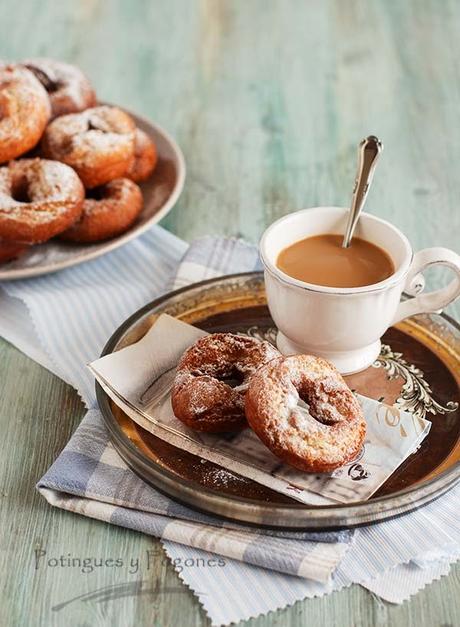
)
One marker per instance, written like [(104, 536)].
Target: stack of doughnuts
[(299, 406), (69, 168)]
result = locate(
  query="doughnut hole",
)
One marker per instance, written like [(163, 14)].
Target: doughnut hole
[(229, 375), (20, 191), (48, 83), (325, 401)]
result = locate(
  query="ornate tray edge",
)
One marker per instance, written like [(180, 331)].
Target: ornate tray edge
[(253, 511)]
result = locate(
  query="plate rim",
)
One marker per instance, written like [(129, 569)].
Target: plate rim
[(124, 238), (446, 479)]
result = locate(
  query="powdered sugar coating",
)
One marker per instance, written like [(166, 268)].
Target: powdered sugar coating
[(68, 88), (24, 111), (51, 199), (201, 396), (218, 477), (323, 432), (98, 143)]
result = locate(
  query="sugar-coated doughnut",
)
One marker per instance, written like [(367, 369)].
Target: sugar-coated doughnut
[(69, 90), (111, 211), (38, 200), (202, 397), (145, 157), (327, 435), (24, 111), (98, 143)]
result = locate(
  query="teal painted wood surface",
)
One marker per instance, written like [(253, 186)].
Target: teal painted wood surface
[(268, 99)]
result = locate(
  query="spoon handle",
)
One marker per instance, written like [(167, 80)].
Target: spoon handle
[(368, 151)]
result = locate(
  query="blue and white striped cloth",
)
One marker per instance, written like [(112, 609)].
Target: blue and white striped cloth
[(63, 320)]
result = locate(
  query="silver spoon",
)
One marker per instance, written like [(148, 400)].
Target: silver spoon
[(368, 152)]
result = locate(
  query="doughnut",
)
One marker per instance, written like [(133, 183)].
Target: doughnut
[(38, 200), (68, 88), (107, 211), (145, 157), (97, 143), (24, 111), (11, 250), (324, 436), (202, 396)]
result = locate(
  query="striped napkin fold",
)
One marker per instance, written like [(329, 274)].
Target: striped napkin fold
[(90, 478)]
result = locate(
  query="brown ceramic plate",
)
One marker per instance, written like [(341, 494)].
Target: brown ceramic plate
[(418, 369), (160, 192)]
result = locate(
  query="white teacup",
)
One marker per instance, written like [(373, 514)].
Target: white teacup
[(344, 325)]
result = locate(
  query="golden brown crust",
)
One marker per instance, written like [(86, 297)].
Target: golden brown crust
[(118, 205), (97, 143), (69, 90), (201, 396), (38, 200), (11, 250), (145, 157), (327, 435), (24, 111)]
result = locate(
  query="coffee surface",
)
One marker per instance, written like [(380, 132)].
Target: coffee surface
[(321, 260)]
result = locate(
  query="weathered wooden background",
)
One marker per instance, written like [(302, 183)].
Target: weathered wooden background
[(268, 99)]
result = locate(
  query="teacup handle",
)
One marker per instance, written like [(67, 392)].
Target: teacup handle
[(432, 302)]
